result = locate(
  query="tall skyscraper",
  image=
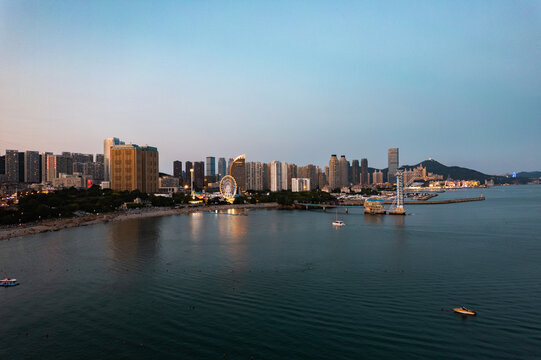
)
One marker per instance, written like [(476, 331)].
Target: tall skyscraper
[(199, 174), (12, 165), (266, 176), (32, 167), (284, 176), (275, 176), (177, 169), (334, 172), (254, 176), (392, 165), (322, 178), (134, 167), (291, 173), (43, 156), (229, 162), (364, 172), (221, 168), (355, 172), (344, 171), (238, 171), (211, 166), (107, 145), (188, 174), (20, 155), (3, 165)]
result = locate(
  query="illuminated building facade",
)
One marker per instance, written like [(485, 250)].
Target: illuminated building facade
[(238, 171), (107, 145), (134, 167)]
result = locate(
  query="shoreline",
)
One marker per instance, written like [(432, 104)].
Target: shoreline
[(11, 232)]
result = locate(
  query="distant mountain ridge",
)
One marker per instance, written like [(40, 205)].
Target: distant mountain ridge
[(529, 174)]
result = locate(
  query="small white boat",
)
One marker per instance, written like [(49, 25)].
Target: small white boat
[(337, 222), (8, 282)]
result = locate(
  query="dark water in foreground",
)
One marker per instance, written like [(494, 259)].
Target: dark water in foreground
[(283, 285)]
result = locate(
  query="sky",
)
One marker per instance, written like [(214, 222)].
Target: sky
[(295, 81)]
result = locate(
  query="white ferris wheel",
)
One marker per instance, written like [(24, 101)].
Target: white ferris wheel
[(228, 187)]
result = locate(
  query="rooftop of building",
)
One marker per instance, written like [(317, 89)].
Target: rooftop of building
[(135, 146)]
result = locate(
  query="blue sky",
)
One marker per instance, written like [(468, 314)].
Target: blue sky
[(295, 81)]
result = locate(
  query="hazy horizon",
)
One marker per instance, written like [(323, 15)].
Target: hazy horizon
[(292, 81)]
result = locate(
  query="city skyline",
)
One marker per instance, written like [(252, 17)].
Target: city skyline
[(454, 82)]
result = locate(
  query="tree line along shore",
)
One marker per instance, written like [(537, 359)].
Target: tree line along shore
[(83, 205)]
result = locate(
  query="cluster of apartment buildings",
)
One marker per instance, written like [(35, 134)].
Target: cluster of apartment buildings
[(120, 167), (66, 169), (278, 175), (131, 167)]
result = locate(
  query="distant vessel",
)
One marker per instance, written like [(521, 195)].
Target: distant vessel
[(337, 222), (464, 311), (8, 282)]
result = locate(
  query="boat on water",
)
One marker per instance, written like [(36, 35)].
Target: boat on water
[(464, 311), (337, 222), (8, 282)]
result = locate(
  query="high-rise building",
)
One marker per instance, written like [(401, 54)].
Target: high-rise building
[(377, 177), (254, 176), (177, 169), (355, 172), (134, 167), (3, 165), (322, 178), (344, 171), (107, 145), (43, 172), (334, 172), (199, 174), (211, 166), (32, 167), (392, 158), (221, 168), (12, 165), (20, 155), (284, 177), (266, 176), (229, 162), (291, 173), (238, 171), (188, 174), (364, 172), (99, 158), (275, 176)]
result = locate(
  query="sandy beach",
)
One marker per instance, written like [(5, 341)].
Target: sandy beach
[(9, 232)]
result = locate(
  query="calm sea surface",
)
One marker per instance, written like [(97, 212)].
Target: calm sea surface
[(283, 285)]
